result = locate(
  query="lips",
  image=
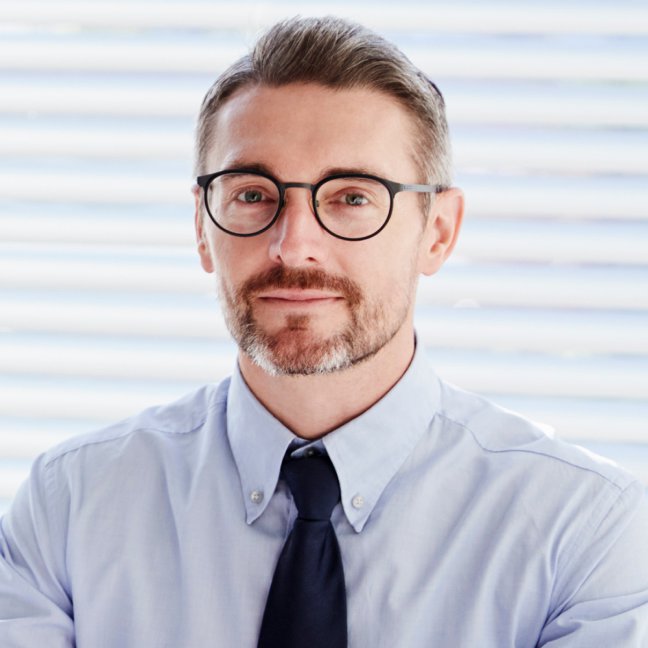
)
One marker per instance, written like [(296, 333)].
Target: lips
[(292, 286), (298, 295)]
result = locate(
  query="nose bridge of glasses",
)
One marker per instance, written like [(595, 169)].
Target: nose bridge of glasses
[(298, 227), (299, 185), (302, 185)]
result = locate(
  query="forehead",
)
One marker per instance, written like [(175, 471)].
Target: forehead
[(299, 130)]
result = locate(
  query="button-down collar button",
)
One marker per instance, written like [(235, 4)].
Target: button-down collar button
[(256, 496), (310, 452), (357, 502)]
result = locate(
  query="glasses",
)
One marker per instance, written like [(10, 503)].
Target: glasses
[(352, 207)]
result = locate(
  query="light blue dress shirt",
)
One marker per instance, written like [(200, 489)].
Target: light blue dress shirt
[(461, 525)]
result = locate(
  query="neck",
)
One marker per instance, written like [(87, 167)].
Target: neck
[(312, 406)]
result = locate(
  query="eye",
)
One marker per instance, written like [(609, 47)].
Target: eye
[(355, 199), (352, 197), (250, 196)]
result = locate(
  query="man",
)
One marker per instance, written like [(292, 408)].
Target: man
[(323, 193)]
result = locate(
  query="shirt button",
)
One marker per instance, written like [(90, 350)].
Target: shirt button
[(310, 452), (256, 496), (357, 502)]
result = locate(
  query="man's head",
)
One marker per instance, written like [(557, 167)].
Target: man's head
[(297, 299), (341, 55)]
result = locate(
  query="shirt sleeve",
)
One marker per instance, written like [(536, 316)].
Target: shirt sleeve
[(35, 603), (602, 593)]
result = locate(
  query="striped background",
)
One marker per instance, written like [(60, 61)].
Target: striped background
[(104, 309)]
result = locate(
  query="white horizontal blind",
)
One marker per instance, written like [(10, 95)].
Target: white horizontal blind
[(103, 307)]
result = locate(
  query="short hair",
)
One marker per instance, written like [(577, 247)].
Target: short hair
[(338, 54)]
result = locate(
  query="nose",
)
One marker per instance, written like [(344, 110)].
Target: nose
[(297, 239)]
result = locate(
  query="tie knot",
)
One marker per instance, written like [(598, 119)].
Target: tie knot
[(314, 486)]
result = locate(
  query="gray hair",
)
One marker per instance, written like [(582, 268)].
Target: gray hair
[(337, 54)]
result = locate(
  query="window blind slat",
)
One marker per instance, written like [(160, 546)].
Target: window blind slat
[(502, 60), (479, 284), (625, 18), (486, 239), (178, 316), (558, 105), (197, 361), (604, 197), (548, 151)]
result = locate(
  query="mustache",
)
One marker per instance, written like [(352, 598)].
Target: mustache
[(301, 278)]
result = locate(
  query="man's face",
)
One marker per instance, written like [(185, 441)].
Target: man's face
[(296, 299)]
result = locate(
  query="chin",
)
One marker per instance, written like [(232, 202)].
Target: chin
[(300, 353)]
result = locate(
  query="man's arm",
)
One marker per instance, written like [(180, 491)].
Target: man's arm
[(35, 605), (602, 594)]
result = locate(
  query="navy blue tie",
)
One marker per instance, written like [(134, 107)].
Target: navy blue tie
[(306, 606)]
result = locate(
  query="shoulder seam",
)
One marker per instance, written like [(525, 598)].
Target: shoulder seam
[(618, 486), (216, 398)]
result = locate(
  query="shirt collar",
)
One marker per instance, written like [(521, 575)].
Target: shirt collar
[(369, 450), (259, 442), (366, 452)]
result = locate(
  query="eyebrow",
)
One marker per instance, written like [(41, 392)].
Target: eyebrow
[(329, 171), (349, 171), (248, 166)]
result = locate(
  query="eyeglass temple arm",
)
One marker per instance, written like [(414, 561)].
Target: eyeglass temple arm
[(420, 188)]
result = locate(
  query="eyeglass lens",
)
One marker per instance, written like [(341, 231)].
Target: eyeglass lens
[(351, 207)]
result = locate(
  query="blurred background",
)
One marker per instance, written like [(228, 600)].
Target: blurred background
[(104, 309)]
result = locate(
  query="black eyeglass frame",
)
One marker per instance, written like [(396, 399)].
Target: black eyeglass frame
[(392, 187)]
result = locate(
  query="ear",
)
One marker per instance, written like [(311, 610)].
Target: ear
[(441, 230), (204, 252)]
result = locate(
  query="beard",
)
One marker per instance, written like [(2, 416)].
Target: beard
[(295, 348)]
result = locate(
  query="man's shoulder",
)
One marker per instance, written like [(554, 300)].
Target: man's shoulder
[(180, 418), (498, 431)]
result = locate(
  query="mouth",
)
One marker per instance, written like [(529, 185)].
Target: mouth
[(297, 298), (286, 288)]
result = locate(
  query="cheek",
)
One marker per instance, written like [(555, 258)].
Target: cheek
[(234, 260), (395, 279), (391, 264)]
